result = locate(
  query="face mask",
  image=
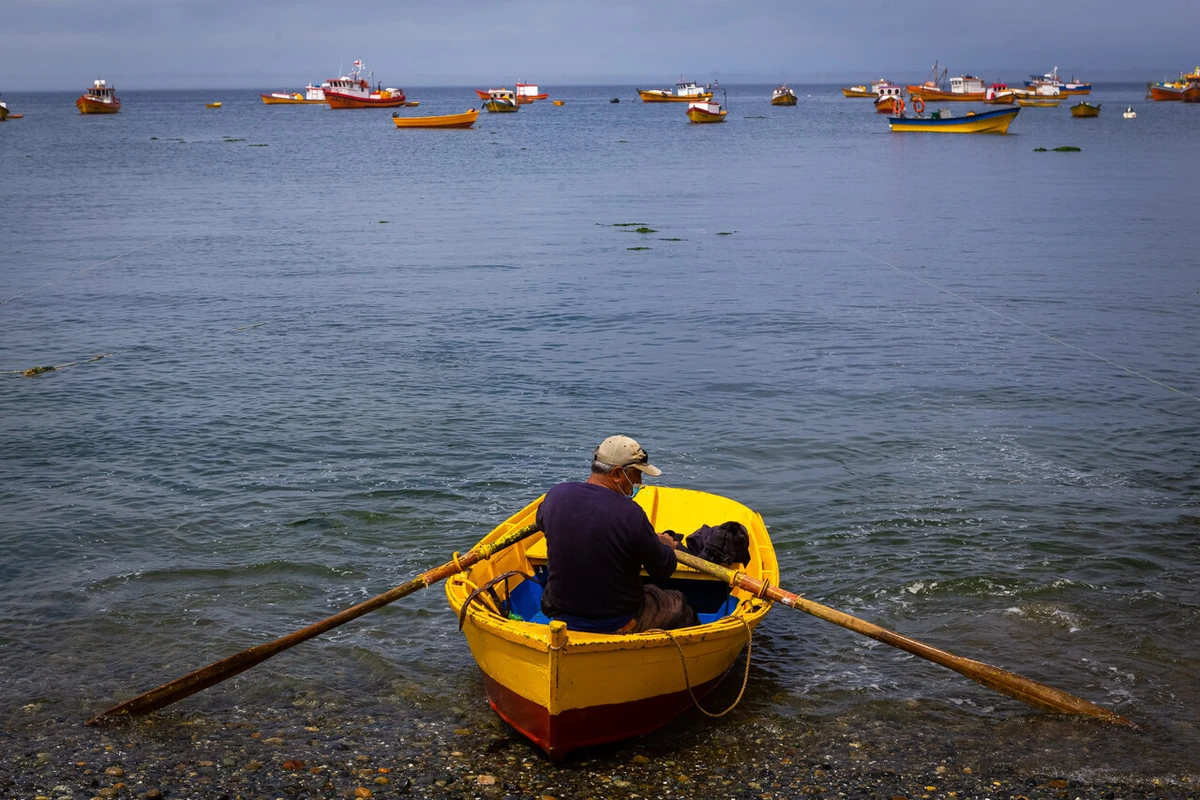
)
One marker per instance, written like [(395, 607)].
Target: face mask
[(634, 488)]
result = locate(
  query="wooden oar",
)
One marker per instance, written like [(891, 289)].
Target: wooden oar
[(228, 667), (1024, 689)]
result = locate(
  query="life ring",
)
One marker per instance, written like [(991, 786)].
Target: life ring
[(898, 106), (918, 105)]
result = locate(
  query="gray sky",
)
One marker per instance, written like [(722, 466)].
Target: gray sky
[(283, 44)]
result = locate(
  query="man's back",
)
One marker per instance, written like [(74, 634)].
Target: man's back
[(597, 542)]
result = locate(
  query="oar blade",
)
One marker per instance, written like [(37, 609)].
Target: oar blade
[(230, 666)]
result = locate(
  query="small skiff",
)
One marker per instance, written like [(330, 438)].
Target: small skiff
[(463, 120), (567, 689)]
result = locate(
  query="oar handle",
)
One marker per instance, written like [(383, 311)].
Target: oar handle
[(226, 668), (1017, 686)]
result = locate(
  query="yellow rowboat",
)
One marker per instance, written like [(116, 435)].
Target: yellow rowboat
[(942, 122), (558, 102), (857, 91), (463, 120), (1085, 109), (568, 689), (212, 105), (1038, 102)]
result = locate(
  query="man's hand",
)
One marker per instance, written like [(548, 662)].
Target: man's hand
[(668, 540)]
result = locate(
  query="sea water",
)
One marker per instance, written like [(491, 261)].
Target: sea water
[(957, 376)]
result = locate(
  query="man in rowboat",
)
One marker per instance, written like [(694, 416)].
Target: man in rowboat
[(597, 543)]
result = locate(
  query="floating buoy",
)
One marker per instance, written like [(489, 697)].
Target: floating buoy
[(558, 102), (1130, 113)]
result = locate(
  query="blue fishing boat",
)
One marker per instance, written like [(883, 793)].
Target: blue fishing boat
[(943, 122)]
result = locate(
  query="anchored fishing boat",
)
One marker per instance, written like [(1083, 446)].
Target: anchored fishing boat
[(1065, 87), (890, 99), (783, 96), (1085, 109), (463, 120), (568, 689), (863, 90), (685, 92), (528, 92), (943, 122), (501, 101), (312, 96), (705, 111), (354, 91), (963, 88), (999, 94), (100, 98)]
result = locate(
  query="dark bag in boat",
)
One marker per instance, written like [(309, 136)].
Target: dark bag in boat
[(725, 544)]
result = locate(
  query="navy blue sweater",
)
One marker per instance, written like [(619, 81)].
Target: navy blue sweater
[(597, 543)]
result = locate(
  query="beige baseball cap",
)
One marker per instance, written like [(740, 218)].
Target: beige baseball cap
[(621, 451)]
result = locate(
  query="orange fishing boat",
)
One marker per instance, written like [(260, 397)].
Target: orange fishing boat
[(528, 92), (963, 88), (99, 99), (890, 99), (353, 91)]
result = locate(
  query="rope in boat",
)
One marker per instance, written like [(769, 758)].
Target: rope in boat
[(688, 680), (1025, 325)]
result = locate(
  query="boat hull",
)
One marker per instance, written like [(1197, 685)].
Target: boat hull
[(1191, 94), (289, 100), (90, 105), (886, 105), (501, 106), (987, 122), (568, 689), (662, 96), (1165, 94), (464, 120), (377, 100), (856, 91), (700, 115), (784, 100), (941, 96), (1085, 110), (1030, 102)]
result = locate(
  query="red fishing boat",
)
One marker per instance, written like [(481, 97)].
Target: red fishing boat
[(354, 91), (99, 99)]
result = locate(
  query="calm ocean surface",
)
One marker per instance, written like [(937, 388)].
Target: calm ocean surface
[(960, 380)]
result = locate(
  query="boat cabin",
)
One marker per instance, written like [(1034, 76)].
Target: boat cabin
[(997, 90), (688, 89), (527, 90), (886, 90), (706, 106), (502, 94), (101, 91), (966, 84)]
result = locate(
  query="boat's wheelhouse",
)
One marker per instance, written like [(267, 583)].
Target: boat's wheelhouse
[(966, 84)]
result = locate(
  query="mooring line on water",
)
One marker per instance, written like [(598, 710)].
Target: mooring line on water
[(85, 270), (1023, 324)]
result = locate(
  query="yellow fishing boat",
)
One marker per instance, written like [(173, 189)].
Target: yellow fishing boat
[(1085, 109), (212, 105), (501, 101), (569, 689), (463, 120), (685, 92)]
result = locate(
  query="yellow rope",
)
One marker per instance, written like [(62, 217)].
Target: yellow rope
[(33, 372), (688, 680)]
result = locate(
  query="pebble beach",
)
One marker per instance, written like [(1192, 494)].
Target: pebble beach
[(452, 753)]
